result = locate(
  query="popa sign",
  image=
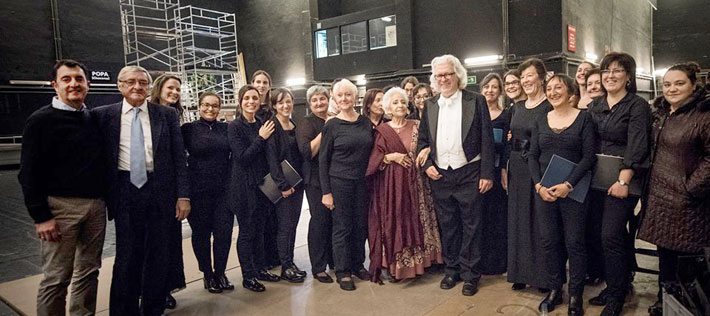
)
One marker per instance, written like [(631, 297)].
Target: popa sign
[(100, 76)]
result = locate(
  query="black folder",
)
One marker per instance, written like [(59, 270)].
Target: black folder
[(558, 171), (606, 172), (269, 187)]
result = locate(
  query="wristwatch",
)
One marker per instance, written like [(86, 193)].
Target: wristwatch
[(622, 182)]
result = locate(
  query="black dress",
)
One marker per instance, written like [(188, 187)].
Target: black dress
[(524, 252), (494, 247)]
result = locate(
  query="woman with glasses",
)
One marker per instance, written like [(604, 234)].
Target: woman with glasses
[(524, 249), (678, 200), (421, 93), (623, 123), (247, 136), (166, 92), (513, 90), (208, 157)]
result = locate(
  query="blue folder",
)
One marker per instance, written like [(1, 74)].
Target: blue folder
[(497, 136), (558, 171)]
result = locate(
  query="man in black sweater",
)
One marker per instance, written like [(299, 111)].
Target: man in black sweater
[(62, 178)]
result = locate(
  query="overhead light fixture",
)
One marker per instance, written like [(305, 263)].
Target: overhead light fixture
[(660, 72), (482, 60), (29, 82), (387, 19), (296, 81), (640, 70), (591, 57), (362, 81)]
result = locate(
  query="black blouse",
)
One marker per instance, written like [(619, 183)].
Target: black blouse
[(282, 146), (624, 130), (309, 127), (546, 142), (208, 155), (522, 120), (344, 150)]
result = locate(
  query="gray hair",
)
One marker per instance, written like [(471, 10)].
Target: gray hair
[(132, 69), (315, 90), (347, 84), (458, 69), (389, 95)]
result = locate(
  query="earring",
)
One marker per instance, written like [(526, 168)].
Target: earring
[(628, 82)]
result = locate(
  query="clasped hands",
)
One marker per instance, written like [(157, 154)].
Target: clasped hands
[(551, 194)]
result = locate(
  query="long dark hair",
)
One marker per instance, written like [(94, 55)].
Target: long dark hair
[(368, 99), (158, 87)]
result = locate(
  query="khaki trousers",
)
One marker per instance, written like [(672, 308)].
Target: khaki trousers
[(75, 259)]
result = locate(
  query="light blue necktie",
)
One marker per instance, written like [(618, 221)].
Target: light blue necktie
[(139, 175)]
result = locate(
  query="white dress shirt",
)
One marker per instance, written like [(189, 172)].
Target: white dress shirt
[(449, 145), (59, 105), (124, 146)]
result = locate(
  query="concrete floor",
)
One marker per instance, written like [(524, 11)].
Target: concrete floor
[(19, 280)]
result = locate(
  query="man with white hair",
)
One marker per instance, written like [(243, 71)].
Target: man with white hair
[(456, 127), (147, 173)]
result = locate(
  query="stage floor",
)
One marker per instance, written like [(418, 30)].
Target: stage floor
[(421, 296)]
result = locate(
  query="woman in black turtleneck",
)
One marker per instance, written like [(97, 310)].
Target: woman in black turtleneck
[(247, 137), (208, 156)]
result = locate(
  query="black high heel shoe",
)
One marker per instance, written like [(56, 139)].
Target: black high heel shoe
[(211, 285), (553, 298)]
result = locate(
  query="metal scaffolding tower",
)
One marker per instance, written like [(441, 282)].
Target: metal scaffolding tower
[(197, 44)]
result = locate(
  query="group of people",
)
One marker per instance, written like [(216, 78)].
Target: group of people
[(424, 174)]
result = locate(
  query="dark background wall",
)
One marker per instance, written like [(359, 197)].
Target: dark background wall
[(681, 32), (534, 26)]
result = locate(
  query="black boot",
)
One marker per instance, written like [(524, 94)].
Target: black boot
[(575, 307), (553, 298)]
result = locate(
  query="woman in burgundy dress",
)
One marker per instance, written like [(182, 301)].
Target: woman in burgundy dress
[(402, 228)]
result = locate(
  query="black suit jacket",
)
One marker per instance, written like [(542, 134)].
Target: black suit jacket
[(476, 130), (169, 165)]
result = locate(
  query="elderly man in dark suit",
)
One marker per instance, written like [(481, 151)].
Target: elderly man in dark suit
[(148, 186), (456, 127)]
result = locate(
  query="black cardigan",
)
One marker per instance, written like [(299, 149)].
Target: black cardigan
[(278, 148), (248, 159)]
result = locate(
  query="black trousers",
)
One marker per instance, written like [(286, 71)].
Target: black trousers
[(459, 212), (288, 211), (562, 227), (250, 240), (208, 219), (320, 231), (176, 268), (141, 251), (271, 230), (617, 243), (595, 253), (349, 224)]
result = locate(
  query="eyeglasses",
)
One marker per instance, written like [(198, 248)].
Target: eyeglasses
[(512, 83), (444, 76), (615, 72), (419, 96), (131, 83), (207, 105)]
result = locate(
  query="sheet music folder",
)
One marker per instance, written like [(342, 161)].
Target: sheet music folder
[(269, 187), (558, 171), (606, 172)]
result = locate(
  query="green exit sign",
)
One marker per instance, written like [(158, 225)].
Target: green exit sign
[(470, 80)]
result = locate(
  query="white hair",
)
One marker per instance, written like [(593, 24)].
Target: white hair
[(455, 63), (389, 95), (132, 69), (345, 84)]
